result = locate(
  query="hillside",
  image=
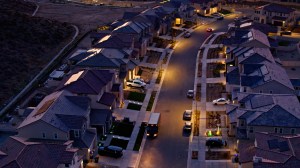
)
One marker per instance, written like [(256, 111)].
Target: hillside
[(27, 44)]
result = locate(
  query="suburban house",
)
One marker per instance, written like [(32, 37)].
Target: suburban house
[(61, 116), (251, 66), (275, 14), (101, 119), (270, 150), (273, 113), (98, 85), (18, 152), (207, 7)]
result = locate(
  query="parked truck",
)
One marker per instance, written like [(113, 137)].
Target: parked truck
[(136, 83)]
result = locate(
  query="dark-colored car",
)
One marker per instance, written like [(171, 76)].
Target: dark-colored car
[(215, 143), (112, 151)]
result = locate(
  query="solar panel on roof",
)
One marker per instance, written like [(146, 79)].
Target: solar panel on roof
[(273, 143), (261, 101), (283, 146)]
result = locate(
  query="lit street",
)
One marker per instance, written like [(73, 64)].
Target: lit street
[(170, 148)]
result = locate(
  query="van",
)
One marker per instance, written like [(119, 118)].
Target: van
[(112, 151)]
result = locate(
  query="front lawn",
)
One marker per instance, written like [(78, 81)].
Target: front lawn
[(119, 142), (132, 106), (121, 129), (135, 96), (225, 12), (140, 136), (158, 79), (151, 101), (217, 155)]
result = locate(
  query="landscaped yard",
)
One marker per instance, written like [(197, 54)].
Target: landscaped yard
[(213, 70), (219, 39), (213, 119), (121, 129), (132, 106), (151, 101), (214, 91), (207, 41), (175, 32), (225, 12), (146, 73), (159, 76), (161, 43), (198, 92), (140, 136), (135, 96), (165, 59), (199, 69), (217, 155), (188, 24), (153, 57), (213, 53), (119, 142)]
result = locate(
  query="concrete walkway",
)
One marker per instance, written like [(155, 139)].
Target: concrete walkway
[(197, 143)]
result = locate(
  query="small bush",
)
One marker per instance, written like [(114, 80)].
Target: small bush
[(134, 106), (135, 96)]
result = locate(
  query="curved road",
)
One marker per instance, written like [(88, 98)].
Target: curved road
[(170, 148)]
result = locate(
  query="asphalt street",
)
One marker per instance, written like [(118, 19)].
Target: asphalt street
[(170, 148)]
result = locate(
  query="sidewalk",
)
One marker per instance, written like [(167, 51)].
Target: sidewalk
[(197, 143)]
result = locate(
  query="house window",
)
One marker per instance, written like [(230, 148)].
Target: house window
[(84, 128), (242, 123), (293, 131), (44, 135), (275, 130), (260, 91), (271, 91), (67, 165), (242, 105), (76, 133), (251, 130), (55, 135), (280, 130)]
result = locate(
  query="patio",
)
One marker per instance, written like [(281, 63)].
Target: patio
[(214, 70), (217, 155), (153, 57), (214, 91), (214, 53)]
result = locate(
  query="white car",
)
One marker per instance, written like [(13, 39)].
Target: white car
[(190, 94), (187, 126), (140, 79), (221, 101), (187, 115), (187, 35), (136, 83)]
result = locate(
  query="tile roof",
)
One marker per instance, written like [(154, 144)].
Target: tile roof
[(277, 8), (88, 82), (233, 76), (117, 41), (97, 60), (115, 87), (81, 56), (64, 104), (128, 27), (279, 18), (129, 15), (100, 116), (20, 153), (87, 140), (246, 150), (107, 99), (278, 149), (276, 117)]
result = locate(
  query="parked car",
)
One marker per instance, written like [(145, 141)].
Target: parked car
[(136, 83), (140, 79), (217, 16), (112, 151), (209, 29), (187, 35), (221, 101), (187, 115), (215, 143), (190, 94), (187, 126)]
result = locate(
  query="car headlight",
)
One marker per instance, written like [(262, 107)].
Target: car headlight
[(155, 134), (148, 134)]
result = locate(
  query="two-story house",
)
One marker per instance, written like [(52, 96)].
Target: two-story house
[(273, 113), (18, 152), (275, 14), (61, 116), (97, 85)]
